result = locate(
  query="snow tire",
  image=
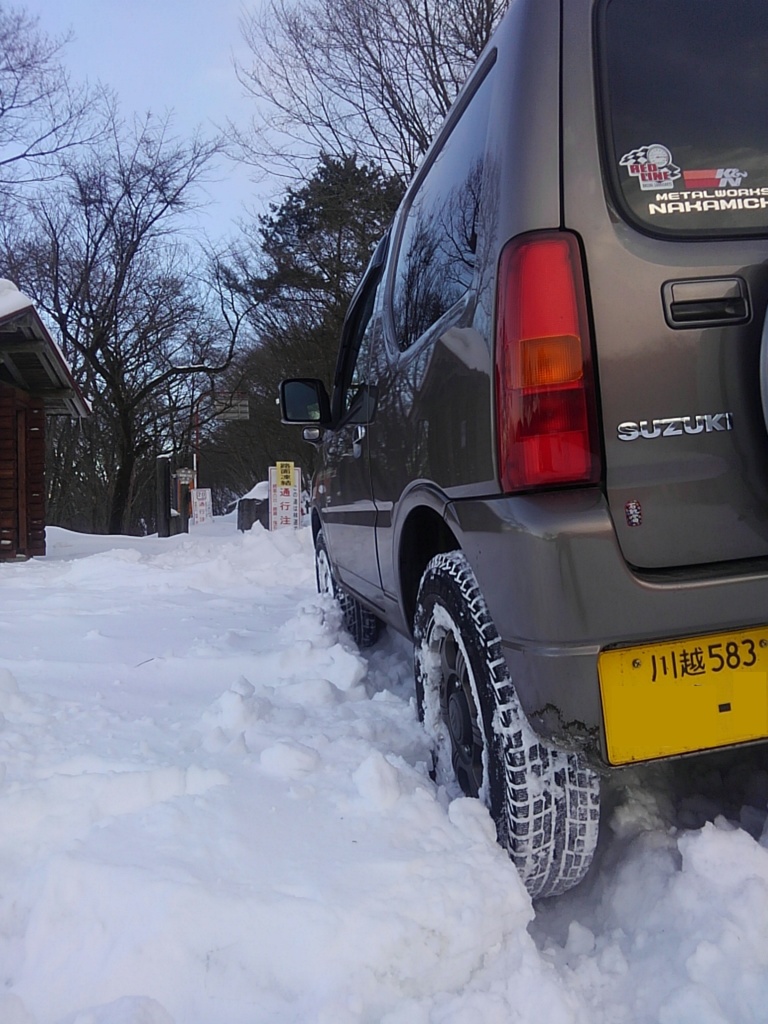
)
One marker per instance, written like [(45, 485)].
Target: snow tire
[(545, 801), (363, 626)]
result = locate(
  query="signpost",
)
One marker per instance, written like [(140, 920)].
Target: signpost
[(284, 496), (184, 477), (236, 407)]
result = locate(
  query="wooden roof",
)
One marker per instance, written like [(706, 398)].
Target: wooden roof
[(31, 360)]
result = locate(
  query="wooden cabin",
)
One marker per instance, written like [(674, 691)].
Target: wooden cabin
[(35, 382)]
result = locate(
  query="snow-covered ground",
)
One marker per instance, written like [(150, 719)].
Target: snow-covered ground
[(215, 811)]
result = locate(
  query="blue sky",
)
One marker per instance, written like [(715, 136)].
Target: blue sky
[(162, 55)]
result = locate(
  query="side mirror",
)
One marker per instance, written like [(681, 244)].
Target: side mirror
[(305, 400)]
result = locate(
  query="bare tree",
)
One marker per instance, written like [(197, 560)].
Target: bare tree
[(42, 114), (371, 77), (103, 256)]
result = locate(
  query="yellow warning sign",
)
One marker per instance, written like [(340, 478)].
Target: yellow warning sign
[(284, 474)]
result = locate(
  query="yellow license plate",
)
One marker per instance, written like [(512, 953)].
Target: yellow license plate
[(686, 695)]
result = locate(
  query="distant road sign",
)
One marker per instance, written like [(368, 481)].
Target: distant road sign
[(234, 408), (202, 505)]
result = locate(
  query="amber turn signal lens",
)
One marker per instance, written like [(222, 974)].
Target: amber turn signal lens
[(548, 361)]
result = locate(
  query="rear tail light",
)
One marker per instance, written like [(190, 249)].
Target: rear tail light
[(546, 419)]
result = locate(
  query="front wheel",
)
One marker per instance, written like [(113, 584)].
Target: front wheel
[(544, 801), (363, 626)]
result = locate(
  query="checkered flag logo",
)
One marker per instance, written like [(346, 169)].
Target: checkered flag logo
[(635, 156)]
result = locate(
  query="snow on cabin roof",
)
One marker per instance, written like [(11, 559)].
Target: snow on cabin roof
[(11, 298), (31, 359)]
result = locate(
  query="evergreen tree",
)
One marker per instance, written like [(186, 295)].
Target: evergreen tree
[(306, 258)]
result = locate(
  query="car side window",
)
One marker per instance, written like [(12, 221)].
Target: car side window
[(359, 329), (436, 259), (359, 352)]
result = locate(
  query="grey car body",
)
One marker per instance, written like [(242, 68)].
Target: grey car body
[(633, 129)]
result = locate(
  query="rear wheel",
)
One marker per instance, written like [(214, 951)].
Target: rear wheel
[(544, 801), (363, 626)]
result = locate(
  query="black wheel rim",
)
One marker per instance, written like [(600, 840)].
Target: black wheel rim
[(459, 712)]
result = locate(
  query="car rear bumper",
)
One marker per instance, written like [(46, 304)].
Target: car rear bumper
[(560, 592)]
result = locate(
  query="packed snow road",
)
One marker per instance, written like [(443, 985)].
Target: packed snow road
[(215, 811)]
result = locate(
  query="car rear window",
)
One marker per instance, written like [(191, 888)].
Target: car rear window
[(684, 94)]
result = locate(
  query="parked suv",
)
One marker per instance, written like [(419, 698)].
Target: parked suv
[(545, 454)]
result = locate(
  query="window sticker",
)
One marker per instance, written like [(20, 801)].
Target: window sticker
[(723, 177), (710, 190), (720, 200), (652, 166)]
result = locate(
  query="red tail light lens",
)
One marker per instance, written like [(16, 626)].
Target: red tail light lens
[(546, 420)]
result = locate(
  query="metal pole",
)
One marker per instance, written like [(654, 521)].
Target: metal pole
[(196, 451)]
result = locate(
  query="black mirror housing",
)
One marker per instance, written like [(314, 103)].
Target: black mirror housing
[(305, 401)]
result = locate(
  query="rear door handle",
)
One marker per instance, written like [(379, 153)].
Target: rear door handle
[(706, 302)]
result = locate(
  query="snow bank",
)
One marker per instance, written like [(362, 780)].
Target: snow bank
[(215, 809)]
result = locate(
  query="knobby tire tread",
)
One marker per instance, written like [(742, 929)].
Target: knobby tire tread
[(545, 801)]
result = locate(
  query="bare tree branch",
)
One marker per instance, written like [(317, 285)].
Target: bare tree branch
[(371, 77), (103, 255), (42, 114)]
